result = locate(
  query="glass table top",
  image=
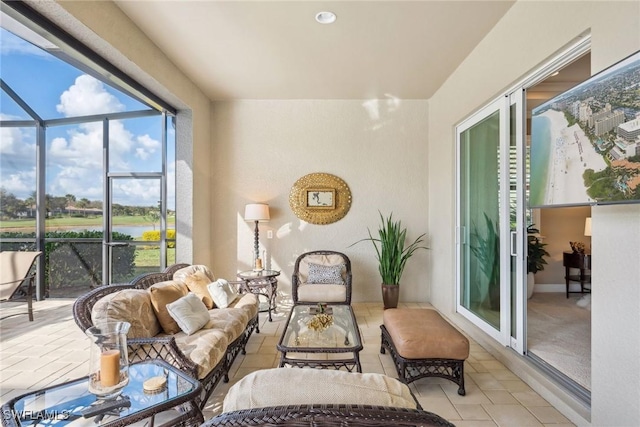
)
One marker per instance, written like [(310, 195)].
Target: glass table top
[(63, 404), (341, 335), (253, 274)]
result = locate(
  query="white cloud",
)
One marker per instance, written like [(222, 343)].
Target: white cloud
[(21, 184), (74, 159), (17, 159), (147, 147), (82, 182), (137, 192), (87, 96)]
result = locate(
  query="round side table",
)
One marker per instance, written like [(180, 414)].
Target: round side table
[(263, 283)]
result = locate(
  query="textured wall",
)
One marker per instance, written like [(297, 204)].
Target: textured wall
[(260, 148)]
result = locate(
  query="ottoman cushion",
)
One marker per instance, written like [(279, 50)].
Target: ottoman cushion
[(424, 334)]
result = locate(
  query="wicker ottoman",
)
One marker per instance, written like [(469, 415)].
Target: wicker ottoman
[(423, 344)]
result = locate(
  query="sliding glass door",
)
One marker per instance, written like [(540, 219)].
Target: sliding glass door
[(485, 239)]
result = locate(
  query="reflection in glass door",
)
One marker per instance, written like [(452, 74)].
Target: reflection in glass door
[(482, 214)]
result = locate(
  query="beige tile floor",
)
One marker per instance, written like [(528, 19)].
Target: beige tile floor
[(52, 350)]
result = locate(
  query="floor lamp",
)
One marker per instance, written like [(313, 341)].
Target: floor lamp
[(257, 212), (587, 229)]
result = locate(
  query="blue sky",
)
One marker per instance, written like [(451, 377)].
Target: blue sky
[(55, 89)]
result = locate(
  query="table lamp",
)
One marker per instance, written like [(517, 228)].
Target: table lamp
[(257, 212)]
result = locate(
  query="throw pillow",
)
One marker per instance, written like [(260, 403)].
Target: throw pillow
[(128, 305), (164, 293), (197, 283), (223, 293), (189, 312), (325, 274)]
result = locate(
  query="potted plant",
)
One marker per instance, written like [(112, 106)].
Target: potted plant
[(392, 254), (535, 256)]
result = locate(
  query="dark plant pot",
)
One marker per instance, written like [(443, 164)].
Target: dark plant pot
[(390, 294)]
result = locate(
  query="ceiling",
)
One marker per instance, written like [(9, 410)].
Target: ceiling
[(276, 50), (573, 74)]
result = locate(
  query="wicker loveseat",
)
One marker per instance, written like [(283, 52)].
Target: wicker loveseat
[(206, 354)]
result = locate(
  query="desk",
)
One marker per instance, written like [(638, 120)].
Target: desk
[(66, 402), (263, 283), (581, 262)]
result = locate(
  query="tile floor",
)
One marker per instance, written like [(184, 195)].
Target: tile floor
[(52, 350)]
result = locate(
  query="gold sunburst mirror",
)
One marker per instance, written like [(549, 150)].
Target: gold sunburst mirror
[(320, 198)]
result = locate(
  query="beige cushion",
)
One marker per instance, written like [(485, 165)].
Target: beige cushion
[(222, 292), (331, 259), (205, 348), (232, 321), (424, 334), (322, 293), (181, 274), (189, 312), (164, 293), (249, 303), (128, 305), (272, 387), (197, 283)]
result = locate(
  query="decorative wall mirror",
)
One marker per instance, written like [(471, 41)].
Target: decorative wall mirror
[(320, 198)]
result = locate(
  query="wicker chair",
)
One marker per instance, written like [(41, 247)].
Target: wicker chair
[(326, 259), (367, 399), (329, 415), (164, 347)]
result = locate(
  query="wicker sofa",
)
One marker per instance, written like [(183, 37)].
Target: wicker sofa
[(206, 354)]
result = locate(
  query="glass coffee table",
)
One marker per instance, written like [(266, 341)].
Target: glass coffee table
[(299, 343), (71, 403)]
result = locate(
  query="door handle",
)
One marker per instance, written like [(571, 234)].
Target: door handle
[(514, 247)]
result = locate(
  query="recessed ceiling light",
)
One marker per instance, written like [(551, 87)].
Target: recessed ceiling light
[(326, 17), (555, 74)]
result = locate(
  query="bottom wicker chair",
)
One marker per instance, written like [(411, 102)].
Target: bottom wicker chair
[(328, 416), (296, 397)]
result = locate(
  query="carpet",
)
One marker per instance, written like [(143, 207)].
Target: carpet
[(559, 332)]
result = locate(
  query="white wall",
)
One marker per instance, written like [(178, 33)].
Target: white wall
[(615, 311), (530, 32), (260, 149), (104, 28)]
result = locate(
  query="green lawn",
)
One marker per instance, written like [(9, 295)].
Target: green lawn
[(90, 221), (151, 257)]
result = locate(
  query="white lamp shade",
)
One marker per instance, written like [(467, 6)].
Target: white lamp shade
[(256, 212), (587, 227)]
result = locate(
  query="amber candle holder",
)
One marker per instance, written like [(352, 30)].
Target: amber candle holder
[(108, 359)]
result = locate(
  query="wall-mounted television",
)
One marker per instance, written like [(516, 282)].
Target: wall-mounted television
[(585, 142)]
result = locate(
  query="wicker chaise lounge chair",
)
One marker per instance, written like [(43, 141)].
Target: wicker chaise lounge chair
[(15, 269)]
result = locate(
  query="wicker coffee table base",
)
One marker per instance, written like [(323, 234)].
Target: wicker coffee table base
[(410, 370), (350, 365)]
